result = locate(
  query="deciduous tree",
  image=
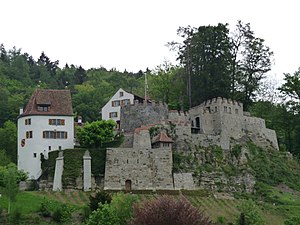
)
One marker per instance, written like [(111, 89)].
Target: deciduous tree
[(96, 133)]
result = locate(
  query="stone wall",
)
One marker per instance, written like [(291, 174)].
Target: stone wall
[(145, 169), (183, 181), (134, 116)]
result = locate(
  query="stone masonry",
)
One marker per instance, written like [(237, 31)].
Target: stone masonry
[(216, 122), (140, 167)]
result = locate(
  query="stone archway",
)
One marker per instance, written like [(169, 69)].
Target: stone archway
[(128, 184)]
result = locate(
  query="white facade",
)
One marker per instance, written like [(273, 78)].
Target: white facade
[(36, 135), (112, 109)]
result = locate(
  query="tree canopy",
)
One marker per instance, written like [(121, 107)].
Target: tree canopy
[(96, 133)]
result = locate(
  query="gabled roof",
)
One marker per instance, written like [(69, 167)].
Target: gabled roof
[(58, 101), (162, 137)]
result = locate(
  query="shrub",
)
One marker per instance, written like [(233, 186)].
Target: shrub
[(167, 210), (100, 197), (16, 216), (250, 214), (62, 214), (293, 221), (44, 208), (118, 212)]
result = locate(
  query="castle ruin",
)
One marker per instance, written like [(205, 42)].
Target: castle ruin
[(138, 165)]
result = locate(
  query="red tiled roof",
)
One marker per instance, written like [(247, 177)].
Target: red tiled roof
[(162, 137), (59, 102)]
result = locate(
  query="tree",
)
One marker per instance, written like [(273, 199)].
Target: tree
[(167, 210), (9, 183), (96, 134), (222, 65), (206, 55), (291, 90), (8, 140), (166, 84), (250, 214), (251, 61)]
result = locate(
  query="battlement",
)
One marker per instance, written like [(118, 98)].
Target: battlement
[(147, 103), (221, 101)]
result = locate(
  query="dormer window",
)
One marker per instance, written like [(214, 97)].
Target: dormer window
[(43, 108)]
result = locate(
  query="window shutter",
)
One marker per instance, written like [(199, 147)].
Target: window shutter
[(62, 122)]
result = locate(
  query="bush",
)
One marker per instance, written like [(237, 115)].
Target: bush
[(250, 214), (100, 197), (62, 214), (167, 210), (118, 212), (293, 221), (16, 216), (44, 208)]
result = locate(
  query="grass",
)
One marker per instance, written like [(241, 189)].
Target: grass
[(287, 206)]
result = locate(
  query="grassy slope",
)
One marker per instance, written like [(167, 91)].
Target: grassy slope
[(288, 204)]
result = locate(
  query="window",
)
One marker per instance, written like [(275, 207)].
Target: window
[(59, 147), (166, 144), (125, 102), (28, 134), (56, 122), (236, 111), (49, 148), (34, 155), (115, 103), (229, 110), (113, 114), (55, 135), (27, 121), (225, 108), (121, 93), (43, 108)]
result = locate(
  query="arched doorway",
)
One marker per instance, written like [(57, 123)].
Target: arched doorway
[(128, 185)]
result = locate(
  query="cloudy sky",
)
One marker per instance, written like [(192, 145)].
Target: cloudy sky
[(132, 34)]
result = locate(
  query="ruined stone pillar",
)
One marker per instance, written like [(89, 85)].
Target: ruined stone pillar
[(87, 172), (59, 168)]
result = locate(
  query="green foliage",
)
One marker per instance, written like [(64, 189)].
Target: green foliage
[(9, 184), (167, 84), (217, 153), (273, 167), (118, 212), (100, 197), (293, 221), (231, 170), (73, 163), (250, 214), (104, 215), (16, 216), (8, 140), (4, 160), (97, 133), (44, 209), (168, 211), (62, 214), (221, 220), (236, 151)]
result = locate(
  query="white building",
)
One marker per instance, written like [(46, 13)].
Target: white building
[(112, 108), (45, 124)]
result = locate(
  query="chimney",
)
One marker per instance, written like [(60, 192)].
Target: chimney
[(21, 111), (79, 120)]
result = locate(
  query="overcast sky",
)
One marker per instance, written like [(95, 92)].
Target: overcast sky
[(131, 34)]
